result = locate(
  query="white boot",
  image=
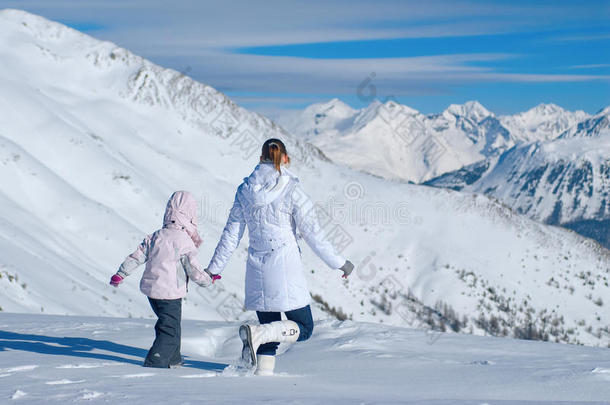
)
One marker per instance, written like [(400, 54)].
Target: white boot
[(253, 336), (265, 364)]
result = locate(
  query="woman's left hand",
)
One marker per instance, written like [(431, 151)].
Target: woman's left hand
[(347, 268)]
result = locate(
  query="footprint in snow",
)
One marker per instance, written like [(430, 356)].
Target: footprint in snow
[(140, 375), (482, 362), (236, 370), (88, 365), (87, 395), (385, 356), (602, 372), (18, 394), (64, 381), (18, 369), (202, 375)]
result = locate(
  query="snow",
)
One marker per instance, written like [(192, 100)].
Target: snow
[(94, 139), (563, 156), (392, 140), (58, 359), (562, 180), (321, 117), (595, 126), (541, 123), (395, 141), (472, 110)]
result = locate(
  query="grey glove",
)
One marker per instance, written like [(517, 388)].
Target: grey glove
[(347, 268)]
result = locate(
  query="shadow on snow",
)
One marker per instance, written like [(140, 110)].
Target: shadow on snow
[(86, 348)]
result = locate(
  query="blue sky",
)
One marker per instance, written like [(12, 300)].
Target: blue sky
[(276, 55)]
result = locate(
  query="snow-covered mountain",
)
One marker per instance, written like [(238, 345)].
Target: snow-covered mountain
[(456, 148), (322, 118), (396, 142), (94, 139), (471, 110), (541, 123), (593, 127), (564, 181)]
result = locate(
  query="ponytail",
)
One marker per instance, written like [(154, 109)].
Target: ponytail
[(275, 155), (273, 151)]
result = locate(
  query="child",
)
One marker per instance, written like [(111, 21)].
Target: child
[(170, 255)]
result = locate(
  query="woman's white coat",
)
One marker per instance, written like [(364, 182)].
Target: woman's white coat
[(274, 208)]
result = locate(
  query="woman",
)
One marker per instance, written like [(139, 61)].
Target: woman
[(274, 207)]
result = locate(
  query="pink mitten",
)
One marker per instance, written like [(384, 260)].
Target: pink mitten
[(116, 280), (214, 277)]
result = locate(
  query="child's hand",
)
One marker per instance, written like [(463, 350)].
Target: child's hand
[(116, 280), (207, 279)]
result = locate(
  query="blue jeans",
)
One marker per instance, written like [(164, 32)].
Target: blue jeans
[(301, 316)]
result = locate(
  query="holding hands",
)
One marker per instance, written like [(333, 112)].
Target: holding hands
[(117, 279), (214, 277)]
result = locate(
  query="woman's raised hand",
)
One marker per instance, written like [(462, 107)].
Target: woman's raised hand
[(347, 268)]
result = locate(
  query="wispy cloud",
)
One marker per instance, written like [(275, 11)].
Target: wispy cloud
[(203, 36), (582, 38), (254, 23), (591, 66), (397, 75)]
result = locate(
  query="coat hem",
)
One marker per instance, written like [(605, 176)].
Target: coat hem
[(159, 297)]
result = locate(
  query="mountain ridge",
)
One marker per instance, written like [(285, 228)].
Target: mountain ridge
[(419, 147)]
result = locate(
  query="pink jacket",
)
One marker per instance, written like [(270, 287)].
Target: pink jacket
[(170, 253)]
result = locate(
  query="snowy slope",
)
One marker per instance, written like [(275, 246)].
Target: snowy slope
[(465, 176), (563, 181), (94, 139), (54, 359), (593, 127)]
